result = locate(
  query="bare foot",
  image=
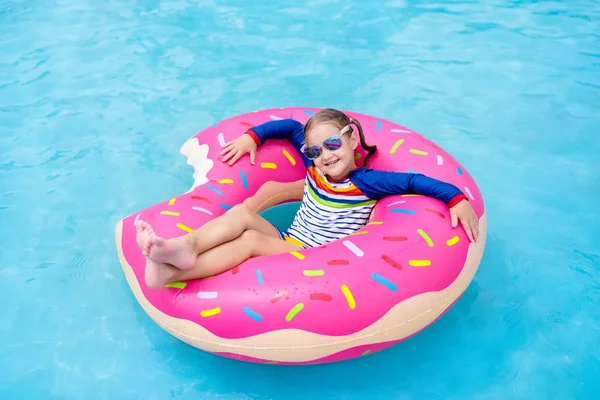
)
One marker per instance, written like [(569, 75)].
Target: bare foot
[(157, 275), (179, 252), (144, 233)]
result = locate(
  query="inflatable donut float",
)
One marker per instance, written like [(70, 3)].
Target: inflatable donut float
[(349, 298)]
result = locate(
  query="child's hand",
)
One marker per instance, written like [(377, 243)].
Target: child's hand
[(464, 212), (238, 147)]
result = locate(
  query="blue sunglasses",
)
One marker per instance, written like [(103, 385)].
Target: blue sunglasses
[(332, 143)]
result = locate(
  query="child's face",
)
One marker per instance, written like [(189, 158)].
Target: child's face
[(333, 161)]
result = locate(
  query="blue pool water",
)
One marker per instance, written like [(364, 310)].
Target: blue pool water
[(96, 98)]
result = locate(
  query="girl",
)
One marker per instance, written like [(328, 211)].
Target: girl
[(337, 199)]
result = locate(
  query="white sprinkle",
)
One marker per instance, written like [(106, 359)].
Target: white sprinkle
[(275, 117), (400, 130), (397, 202), (137, 218), (208, 295), (352, 247), (469, 193), (221, 139), (440, 160), (204, 210)]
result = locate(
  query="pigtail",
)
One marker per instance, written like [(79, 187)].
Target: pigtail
[(371, 149)]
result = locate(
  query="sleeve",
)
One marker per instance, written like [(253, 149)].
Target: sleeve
[(378, 184), (289, 129)]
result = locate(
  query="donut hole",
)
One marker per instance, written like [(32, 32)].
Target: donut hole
[(281, 215)]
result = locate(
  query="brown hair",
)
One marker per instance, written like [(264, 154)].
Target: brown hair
[(339, 119)]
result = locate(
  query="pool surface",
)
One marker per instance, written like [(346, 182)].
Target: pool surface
[(96, 99)]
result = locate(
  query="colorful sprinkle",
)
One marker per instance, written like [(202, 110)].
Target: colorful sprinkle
[(226, 206), (248, 124), (378, 125), (338, 262), (275, 117), (367, 352), (259, 277), (385, 282), (299, 256), (279, 296), (289, 157), (375, 223), (411, 171), (418, 152), (210, 312), (425, 236), (397, 202), (395, 238), (349, 297), (359, 233), (320, 296), (353, 248), (357, 156), (440, 160), (400, 130), (419, 263), (452, 241), (297, 308), (214, 189), (469, 193), (268, 165), (311, 113), (208, 295), (439, 214), (396, 145), (391, 262), (411, 195), (313, 272), (204, 210), (137, 218), (172, 201), (402, 210), (221, 139), (201, 199), (244, 179), (459, 171), (185, 228), (235, 270), (225, 181), (176, 285), (252, 314), (171, 213)]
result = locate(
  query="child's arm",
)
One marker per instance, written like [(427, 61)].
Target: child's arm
[(378, 184), (289, 129)]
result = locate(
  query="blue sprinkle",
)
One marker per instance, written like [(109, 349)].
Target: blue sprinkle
[(226, 206), (387, 283), (412, 171), (378, 125), (252, 314), (459, 171), (214, 189), (309, 112), (403, 211), (259, 277), (244, 180)]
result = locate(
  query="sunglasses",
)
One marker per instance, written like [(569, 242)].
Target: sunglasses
[(332, 143)]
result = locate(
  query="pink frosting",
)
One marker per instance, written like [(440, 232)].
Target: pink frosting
[(257, 296)]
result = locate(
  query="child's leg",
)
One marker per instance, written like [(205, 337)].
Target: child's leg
[(218, 259), (182, 251)]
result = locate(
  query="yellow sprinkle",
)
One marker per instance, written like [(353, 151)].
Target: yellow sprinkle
[(268, 165), (357, 156), (289, 157), (349, 297), (211, 312), (419, 263), (313, 272), (271, 362), (410, 195), (425, 236), (396, 145), (172, 201), (225, 181), (178, 285), (185, 228), (359, 233), (375, 223), (365, 353), (452, 241), (299, 256), (172, 213), (418, 152)]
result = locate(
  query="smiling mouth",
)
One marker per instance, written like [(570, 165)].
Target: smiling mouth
[(331, 163)]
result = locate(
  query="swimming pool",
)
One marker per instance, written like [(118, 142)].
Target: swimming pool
[(97, 97)]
